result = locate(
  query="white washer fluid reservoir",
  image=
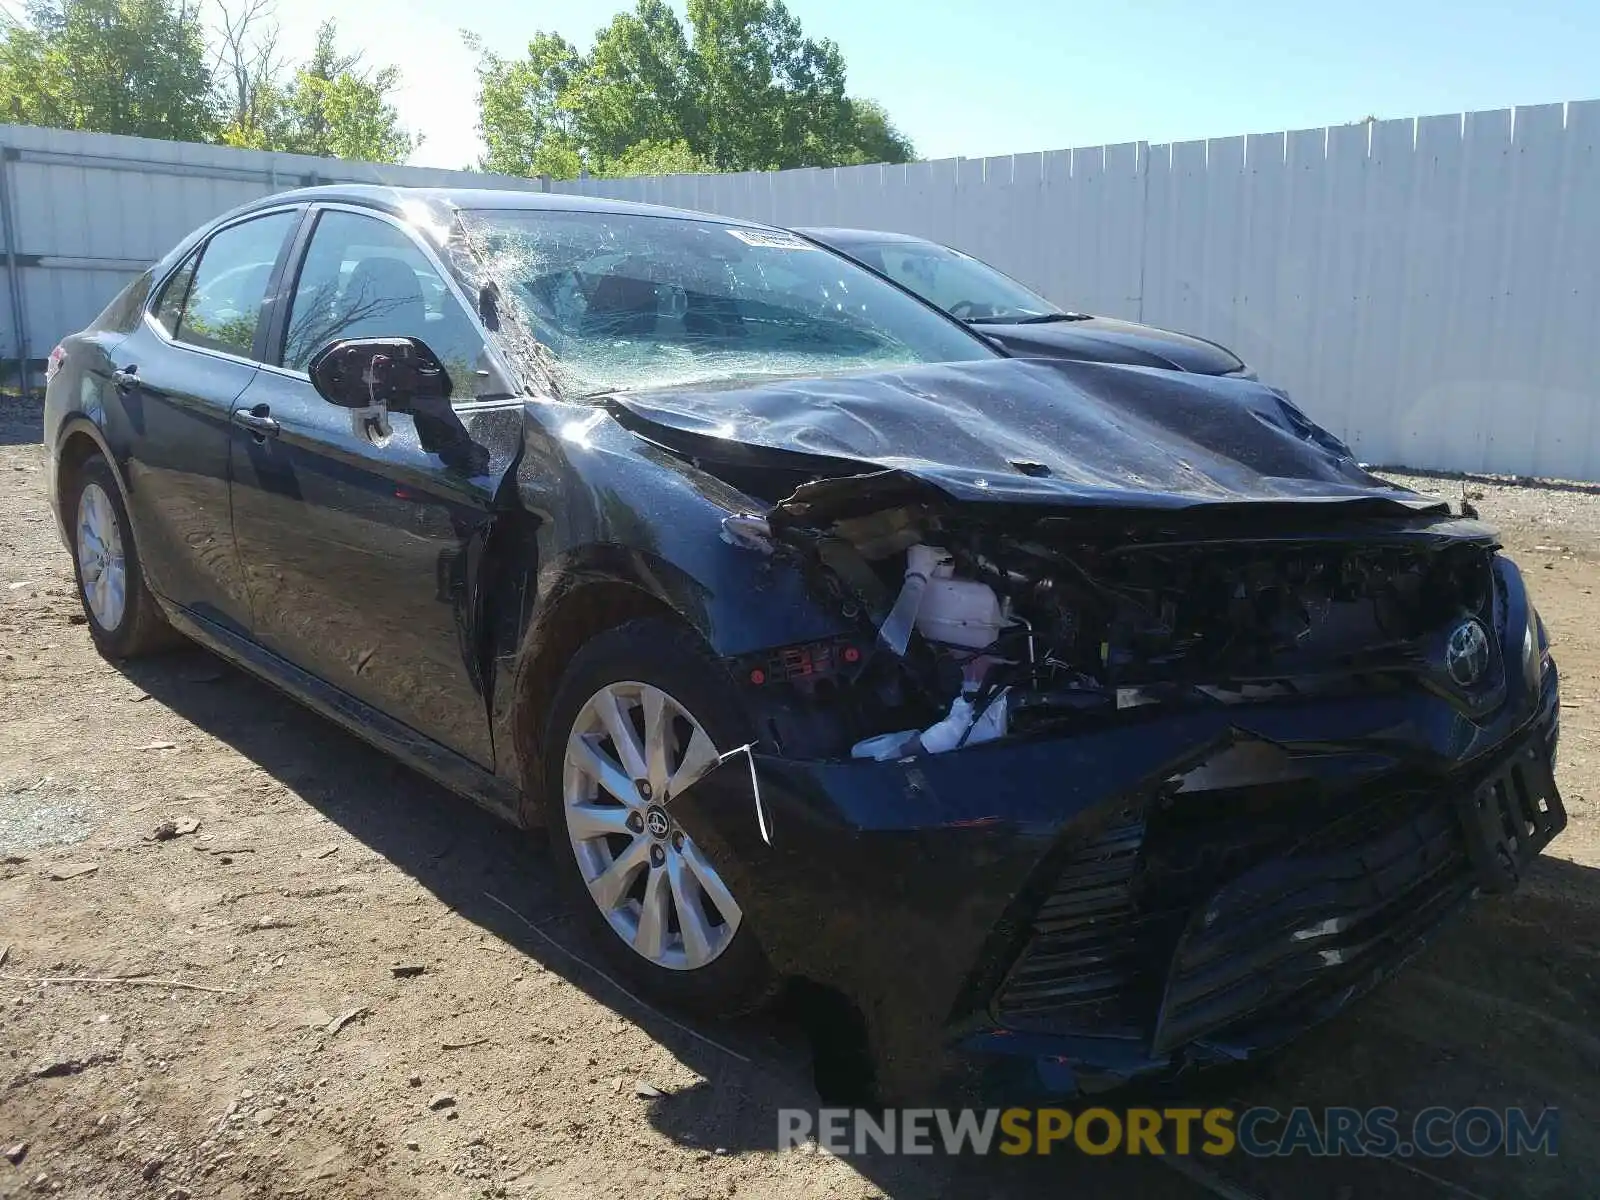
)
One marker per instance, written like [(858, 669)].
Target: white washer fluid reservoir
[(956, 612)]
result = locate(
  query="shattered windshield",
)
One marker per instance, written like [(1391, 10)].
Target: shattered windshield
[(625, 302)]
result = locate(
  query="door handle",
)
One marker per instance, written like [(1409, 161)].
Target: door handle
[(257, 421), (125, 377)]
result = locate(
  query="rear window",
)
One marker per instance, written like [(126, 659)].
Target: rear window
[(169, 308), (122, 314), (223, 306)]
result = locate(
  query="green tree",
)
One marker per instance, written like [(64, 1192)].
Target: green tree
[(143, 67), (111, 66), (640, 83), (527, 108), (741, 88), (336, 108), (875, 138), (654, 158), (331, 106), (248, 75), (773, 97)]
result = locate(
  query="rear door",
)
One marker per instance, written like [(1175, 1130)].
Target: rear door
[(175, 379), (356, 545)]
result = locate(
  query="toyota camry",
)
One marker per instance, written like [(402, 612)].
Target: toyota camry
[(1074, 722)]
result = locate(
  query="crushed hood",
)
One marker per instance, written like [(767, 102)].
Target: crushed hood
[(1053, 433)]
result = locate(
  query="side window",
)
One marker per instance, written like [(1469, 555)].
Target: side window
[(123, 313), (224, 300), (170, 307), (363, 277)]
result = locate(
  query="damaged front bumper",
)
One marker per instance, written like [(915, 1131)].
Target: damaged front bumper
[(1171, 890)]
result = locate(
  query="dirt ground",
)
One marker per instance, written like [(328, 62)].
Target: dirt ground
[(301, 1064)]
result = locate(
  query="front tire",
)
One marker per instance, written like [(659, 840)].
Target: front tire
[(643, 708), (123, 617)]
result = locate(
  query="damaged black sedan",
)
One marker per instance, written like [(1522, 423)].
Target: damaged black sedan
[(1074, 723)]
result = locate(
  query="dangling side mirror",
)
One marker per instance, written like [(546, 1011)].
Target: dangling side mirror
[(401, 374)]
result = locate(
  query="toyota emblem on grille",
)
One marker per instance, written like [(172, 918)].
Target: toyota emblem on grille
[(1466, 654)]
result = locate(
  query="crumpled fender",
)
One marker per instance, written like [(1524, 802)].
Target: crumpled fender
[(587, 502), (609, 507)]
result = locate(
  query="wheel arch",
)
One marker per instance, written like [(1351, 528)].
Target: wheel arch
[(578, 609), (79, 440), (734, 600)]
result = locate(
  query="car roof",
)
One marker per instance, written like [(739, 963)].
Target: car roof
[(844, 239), (394, 198)]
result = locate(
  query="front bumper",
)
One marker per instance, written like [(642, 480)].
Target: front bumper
[(1053, 918), (1275, 950)]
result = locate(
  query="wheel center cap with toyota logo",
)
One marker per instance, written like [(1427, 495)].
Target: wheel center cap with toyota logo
[(656, 821), (1466, 653)]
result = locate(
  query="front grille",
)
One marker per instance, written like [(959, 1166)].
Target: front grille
[(1233, 904), (1086, 968), (1311, 921)]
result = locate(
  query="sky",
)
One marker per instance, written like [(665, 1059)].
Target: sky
[(978, 79)]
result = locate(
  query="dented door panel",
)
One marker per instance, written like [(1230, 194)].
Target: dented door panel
[(359, 552)]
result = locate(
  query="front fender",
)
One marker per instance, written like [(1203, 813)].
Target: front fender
[(737, 600), (592, 504), (610, 506)]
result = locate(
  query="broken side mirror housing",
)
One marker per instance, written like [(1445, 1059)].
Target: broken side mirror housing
[(400, 373)]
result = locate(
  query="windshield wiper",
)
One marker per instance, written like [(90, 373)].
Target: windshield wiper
[(1045, 318), (1032, 319)]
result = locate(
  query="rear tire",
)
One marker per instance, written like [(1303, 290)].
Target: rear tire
[(646, 894), (123, 617)]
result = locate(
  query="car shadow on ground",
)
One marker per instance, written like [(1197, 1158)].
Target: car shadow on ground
[(1498, 1013), (501, 882)]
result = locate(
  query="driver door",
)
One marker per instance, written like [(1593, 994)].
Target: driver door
[(355, 546)]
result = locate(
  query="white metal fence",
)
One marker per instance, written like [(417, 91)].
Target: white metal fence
[(1427, 288), (82, 213)]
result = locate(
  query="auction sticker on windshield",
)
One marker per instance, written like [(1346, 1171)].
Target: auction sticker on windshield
[(771, 239)]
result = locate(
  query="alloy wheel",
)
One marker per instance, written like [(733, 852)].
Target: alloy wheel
[(632, 748), (101, 565)]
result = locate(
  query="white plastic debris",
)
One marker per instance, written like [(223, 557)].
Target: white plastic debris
[(946, 734), (895, 632), (886, 746), (763, 825), (991, 722), (961, 726)]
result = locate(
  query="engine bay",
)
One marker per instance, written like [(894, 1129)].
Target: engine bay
[(978, 626)]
